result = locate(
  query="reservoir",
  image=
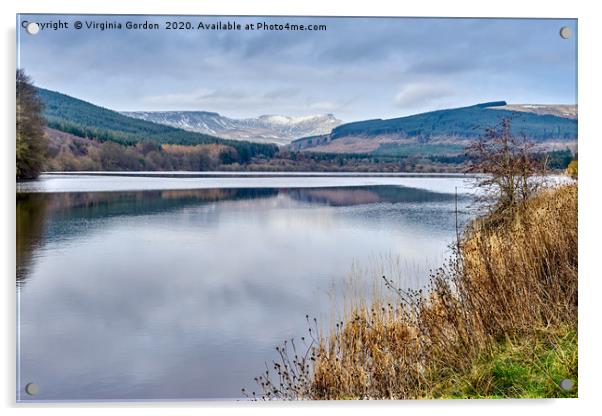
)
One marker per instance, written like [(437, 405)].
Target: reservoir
[(180, 288)]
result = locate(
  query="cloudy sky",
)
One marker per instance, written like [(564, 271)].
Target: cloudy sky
[(358, 68)]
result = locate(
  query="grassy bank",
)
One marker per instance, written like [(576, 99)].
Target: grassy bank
[(531, 367), (500, 320)]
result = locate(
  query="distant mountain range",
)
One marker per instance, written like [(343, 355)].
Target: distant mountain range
[(263, 129), (437, 133), (447, 131)]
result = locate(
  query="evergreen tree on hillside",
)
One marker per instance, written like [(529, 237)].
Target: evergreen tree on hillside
[(31, 143)]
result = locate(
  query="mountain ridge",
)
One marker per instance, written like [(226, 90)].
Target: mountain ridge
[(437, 133), (267, 128), (442, 131)]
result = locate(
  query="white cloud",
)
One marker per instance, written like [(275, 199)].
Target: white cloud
[(418, 95)]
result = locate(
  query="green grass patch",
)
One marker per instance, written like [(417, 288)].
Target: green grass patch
[(533, 367)]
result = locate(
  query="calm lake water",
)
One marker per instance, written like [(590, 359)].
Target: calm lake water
[(133, 288)]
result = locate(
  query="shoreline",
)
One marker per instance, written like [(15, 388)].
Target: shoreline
[(235, 174)]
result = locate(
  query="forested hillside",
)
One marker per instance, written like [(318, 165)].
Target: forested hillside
[(443, 132), (465, 122), (83, 119)]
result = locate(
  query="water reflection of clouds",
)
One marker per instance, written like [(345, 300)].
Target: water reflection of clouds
[(190, 302), (112, 328)]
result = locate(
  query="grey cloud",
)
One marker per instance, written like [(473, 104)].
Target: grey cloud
[(359, 61)]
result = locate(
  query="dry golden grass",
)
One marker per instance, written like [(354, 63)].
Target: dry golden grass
[(511, 281)]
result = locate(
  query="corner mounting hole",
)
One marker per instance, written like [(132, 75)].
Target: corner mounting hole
[(32, 28), (565, 32), (567, 384), (32, 389)]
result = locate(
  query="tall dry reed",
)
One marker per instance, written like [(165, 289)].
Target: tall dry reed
[(509, 280)]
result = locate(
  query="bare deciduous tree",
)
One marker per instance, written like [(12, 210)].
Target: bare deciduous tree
[(508, 165), (31, 143)]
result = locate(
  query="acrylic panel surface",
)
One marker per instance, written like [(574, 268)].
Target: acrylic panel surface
[(193, 191)]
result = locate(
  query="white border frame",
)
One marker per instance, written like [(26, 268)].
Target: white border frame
[(590, 140)]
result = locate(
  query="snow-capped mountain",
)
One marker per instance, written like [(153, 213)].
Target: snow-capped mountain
[(263, 129)]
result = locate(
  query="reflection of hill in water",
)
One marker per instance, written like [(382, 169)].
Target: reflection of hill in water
[(90, 205), (48, 217), (31, 216), (365, 195), (42, 216)]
